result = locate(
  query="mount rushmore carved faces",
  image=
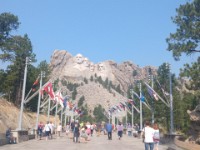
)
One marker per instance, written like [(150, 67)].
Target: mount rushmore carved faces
[(101, 67), (79, 59)]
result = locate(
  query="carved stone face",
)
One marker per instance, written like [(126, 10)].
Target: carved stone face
[(92, 67), (79, 59), (86, 62), (101, 67)]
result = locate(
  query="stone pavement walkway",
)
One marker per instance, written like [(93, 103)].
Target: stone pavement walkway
[(96, 143)]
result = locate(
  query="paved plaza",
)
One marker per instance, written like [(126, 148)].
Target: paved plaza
[(96, 143)]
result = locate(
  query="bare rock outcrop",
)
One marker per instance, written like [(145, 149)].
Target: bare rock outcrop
[(78, 67), (195, 124)]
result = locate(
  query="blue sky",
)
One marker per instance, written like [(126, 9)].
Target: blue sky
[(118, 30)]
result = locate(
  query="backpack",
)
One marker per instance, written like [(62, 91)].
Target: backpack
[(156, 136)]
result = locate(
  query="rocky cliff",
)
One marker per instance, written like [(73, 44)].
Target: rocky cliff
[(76, 69), (194, 131)]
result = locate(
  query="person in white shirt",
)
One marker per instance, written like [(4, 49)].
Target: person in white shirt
[(156, 136), (148, 133), (51, 126), (59, 129), (47, 130), (88, 130), (67, 129)]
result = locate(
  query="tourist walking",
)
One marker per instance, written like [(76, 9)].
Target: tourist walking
[(72, 124), (47, 130), (59, 129), (88, 130), (109, 130), (76, 132), (147, 134), (129, 129), (119, 130), (92, 128), (40, 129), (67, 130), (156, 136), (52, 127)]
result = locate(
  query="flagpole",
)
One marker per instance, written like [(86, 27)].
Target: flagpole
[(126, 117), (109, 118), (171, 104), (65, 116), (39, 99), (140, 106), (62, 116), (49, 108), (42, 74), (44, 103), (153, 112), (28, 94), (56, 112), (132, 116), (23, 95)]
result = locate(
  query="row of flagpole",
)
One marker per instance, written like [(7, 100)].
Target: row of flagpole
[(156, 96), (27, 99)]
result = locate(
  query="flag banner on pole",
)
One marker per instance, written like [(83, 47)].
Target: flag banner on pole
[(48, 88), (142, 98), (107, 114), (80, 113), (128, 106), (118, 108), (134, 93), (151, 89), (152, 93), (122, 105), (33, 89), (163, 91), (35, 84), (69, 105), (132, 102), (65, 101), (59, 98)]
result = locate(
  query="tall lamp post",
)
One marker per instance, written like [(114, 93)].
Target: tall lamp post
[(23, 95)]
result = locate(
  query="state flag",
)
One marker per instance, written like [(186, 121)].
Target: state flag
[(152, 93), (35, 84), (48, 88), (59, 99)]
